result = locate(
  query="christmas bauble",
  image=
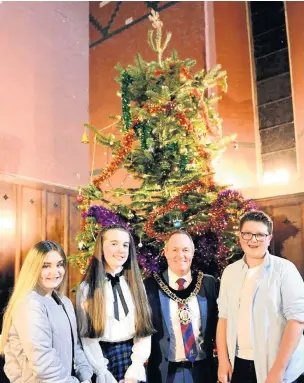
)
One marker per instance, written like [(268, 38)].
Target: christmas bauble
[(177, 223), (183, 207), (79, 198)]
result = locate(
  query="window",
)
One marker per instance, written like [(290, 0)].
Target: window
[(273, 85)]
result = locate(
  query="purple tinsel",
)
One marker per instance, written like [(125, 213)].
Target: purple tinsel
[(148, 260), (104, 217), (237, 196)]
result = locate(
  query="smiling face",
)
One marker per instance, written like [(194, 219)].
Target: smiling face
[(116, 244), (179, 252), (52, 272), (255, 248)]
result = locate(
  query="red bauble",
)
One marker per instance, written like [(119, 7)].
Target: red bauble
[(183, 207), (79, 198)]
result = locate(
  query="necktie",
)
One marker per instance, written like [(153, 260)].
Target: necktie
[(117, 289), (187, 331)]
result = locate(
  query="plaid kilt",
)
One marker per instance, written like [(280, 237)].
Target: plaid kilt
[(119, 357)]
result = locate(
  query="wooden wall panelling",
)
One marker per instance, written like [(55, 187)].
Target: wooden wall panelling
[(34, 211), (31, 213), (7, 241), (287, 234), (43, 214), (74, 228), (66, 223), (18, 229), (55, 217), (287, 213)]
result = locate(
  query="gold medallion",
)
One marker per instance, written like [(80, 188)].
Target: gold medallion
[(184, 314)]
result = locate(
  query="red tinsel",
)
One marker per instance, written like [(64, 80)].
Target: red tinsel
[(217, 215), (171, 204), (212, 130), (196, 93), (159, 72), (126, 146), (186, 73), (183, 120)]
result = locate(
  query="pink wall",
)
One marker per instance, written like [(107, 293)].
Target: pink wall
[(44, 90)]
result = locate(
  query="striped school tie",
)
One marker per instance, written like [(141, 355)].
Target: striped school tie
[(187, 331)]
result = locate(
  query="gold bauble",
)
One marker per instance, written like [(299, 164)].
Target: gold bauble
[(84, 138)]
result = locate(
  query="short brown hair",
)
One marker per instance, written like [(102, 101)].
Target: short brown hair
[(258, 216)]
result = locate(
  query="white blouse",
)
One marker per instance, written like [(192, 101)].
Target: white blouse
[(124, 328), (117, 331)]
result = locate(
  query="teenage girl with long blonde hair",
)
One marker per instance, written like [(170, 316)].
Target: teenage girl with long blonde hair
[(39, 335)]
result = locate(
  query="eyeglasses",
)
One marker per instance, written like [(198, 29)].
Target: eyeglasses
[(260, 237)]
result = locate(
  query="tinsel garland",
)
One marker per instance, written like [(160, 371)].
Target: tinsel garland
[(222, 252), (183, 162), (126, 146), (148, 259), (154, 108), (184, 71), (126, 80), (173, 146), (183, 120), (218, 216), (143, 131), (171, 204), (104, 216), (212, 129)]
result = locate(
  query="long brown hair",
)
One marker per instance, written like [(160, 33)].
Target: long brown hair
[(91, 302)]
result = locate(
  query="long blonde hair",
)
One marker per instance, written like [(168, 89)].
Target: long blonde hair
[(91, 323), (27, 281)]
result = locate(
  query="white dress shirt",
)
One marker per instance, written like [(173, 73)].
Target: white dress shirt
[(174, 320)]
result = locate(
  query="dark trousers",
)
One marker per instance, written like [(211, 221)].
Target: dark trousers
[(186, 372), (244, 372)]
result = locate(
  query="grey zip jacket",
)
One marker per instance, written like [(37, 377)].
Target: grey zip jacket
[(39, 346)]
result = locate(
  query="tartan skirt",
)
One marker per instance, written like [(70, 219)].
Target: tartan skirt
[(119, 357)]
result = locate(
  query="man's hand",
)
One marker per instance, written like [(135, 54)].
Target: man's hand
[(128, 381), (275, 375), (224, 371)]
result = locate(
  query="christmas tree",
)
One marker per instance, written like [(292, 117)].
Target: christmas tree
[(171, 139)]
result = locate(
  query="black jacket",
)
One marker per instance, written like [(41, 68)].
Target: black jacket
[(158, 361)]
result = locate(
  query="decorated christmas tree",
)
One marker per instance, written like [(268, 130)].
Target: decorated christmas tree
[(171, 138)]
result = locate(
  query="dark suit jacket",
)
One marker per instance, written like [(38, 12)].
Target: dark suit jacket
[(158, 361)]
